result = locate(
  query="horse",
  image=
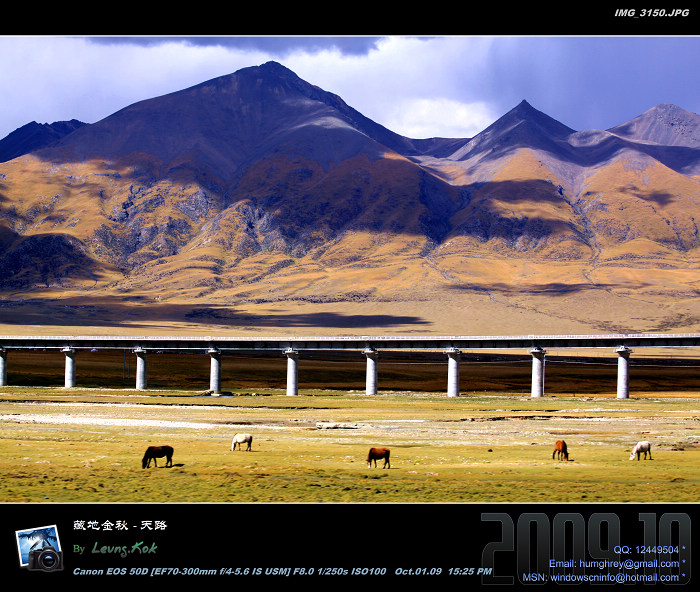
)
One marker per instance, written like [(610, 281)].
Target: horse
[(239, 439), (154, 452), (378, 453), (560, 450), (644, 447)]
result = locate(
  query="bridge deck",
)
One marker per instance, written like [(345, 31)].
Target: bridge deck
[(178, 343)]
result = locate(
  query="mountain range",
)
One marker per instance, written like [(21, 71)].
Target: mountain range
[(259, 202)]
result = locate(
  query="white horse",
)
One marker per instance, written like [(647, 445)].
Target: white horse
[(239, 439), (644, 447)]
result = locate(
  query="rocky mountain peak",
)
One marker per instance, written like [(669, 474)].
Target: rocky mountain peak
[(522, 126), (526, 113), (34, 136), (664, 124)]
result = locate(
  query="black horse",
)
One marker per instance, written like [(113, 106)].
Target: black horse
[(154, 452)]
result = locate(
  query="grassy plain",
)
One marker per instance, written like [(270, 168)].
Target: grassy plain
[(489, 445)]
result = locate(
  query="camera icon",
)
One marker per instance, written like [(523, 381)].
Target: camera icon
[(39, 549), (45, 559)]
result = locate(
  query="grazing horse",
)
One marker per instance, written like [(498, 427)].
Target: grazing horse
[(644, 447), (378, 453), (239, 439), (560, 450), (154, 452)]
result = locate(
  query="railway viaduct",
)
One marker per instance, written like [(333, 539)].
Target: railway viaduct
[(293, 347)]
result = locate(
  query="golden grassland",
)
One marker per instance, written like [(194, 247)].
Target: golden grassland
[(636, 272), (489, 445)]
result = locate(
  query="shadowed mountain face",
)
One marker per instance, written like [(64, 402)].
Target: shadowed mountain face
[(34, 136), (230, 122), (260, 187)]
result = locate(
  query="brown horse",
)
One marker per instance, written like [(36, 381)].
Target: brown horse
[(560, 450), (154, 452), (378, 453)]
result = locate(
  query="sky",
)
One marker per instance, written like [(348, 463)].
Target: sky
[(417, 86)]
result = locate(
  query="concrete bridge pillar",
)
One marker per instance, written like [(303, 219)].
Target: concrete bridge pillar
[(141, 372), (537, 371), (3, 366), (453, 355), (292, 371), (70, 367), (623, 377), (371, 381), (215, 371)]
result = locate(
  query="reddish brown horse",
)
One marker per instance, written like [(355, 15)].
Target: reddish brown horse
[(560, 450), (378, 453), (154, 452)]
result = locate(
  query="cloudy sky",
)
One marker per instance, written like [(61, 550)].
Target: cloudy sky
[(452, 86)]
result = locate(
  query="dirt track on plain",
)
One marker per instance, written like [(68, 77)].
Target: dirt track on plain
[(585, 426)]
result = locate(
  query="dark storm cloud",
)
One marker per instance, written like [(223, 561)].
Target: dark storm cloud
[(592, 82), (274, 45)]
